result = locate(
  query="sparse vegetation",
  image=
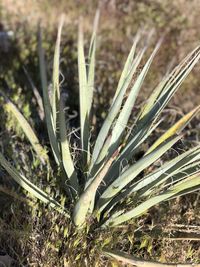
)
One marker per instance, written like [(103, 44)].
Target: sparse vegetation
[(102, 185)]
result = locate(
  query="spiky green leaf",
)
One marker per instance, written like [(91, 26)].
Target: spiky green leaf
[(30, 187), (27, 129), (186, 184), (46, 102)]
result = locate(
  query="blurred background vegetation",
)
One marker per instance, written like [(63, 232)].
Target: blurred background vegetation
[(177, 20)]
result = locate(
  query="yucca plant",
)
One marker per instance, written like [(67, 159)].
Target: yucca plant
[(111, 187)]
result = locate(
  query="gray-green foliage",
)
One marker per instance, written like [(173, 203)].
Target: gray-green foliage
[(104, 186)]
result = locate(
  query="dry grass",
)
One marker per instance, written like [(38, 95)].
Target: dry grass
[(35, 236)]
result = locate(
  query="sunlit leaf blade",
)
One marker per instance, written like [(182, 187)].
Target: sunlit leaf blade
[(182, 70), (104, 150), (27, 129), (174, 166), (83, 94), (150, 113), (56, 74), (149, 184), (91, 63), (127, 66), (67, 160), (175, 81), (30, 187), (115, 107), (131, 173), (176, 173), (188, 183), (91, 71), (118, 165), (99, 154), (100, 162), (47, 106), (173, 171), (125, 113), (84, 203), (194, 189), (174, 177), (90, 77), (167, 88), (125, 258), (58, 111), (175, 129)]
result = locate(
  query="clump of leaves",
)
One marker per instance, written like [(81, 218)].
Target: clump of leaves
[(106, 188)]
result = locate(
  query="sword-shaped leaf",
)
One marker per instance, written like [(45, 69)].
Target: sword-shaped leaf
[(176, 128), (56, 74), (176, 169), (188, 183), (84, 203), (175, 74), (127, 66), (27, 129), (176, 176), (174, 166), (125, 113), (83, 94), (125, 258), (30, 187), (47, 106), (115, 107), (91, 63), (131, 173), (117, 166), (67, 160), (169, 85), (59, 118)]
